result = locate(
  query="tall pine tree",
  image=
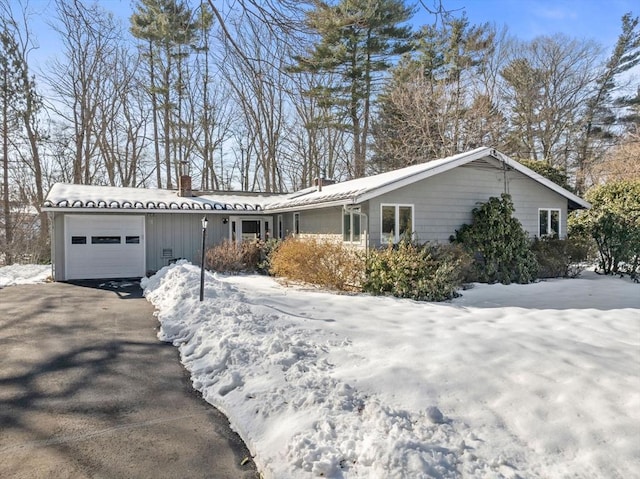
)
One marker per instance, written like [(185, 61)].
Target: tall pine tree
[(433, 106), (357, 41), (599, 117), (169, 29)]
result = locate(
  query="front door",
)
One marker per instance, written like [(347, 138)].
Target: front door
[(249, 228)]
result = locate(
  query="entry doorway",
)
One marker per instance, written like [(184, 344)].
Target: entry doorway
[(249, 228)]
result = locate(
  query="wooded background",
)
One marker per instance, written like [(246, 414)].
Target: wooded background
[(268, 95)]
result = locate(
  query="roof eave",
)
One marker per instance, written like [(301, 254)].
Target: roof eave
[(408, 180), (575, 202), (310, 206), (60, 209)]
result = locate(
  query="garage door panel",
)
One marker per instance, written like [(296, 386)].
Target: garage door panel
[(104, 246)]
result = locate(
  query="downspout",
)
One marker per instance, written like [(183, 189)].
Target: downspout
[(366, 234), (505, 178)]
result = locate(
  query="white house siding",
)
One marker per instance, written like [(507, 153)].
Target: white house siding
[(444, 202), (172, 236)]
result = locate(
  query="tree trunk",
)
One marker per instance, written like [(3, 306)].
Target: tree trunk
[(8, 232), (154, 107)]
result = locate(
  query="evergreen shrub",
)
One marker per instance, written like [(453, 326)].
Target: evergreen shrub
[(420, 272), (498, 243), (561, 258), (614, 224), (328, 264)]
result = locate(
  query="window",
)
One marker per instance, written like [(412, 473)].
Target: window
[(351, 230), (132, 240), (78, 240), (280, 230), (250, 230), (105, 240), (395, 221), (548, 222), (296, 223)]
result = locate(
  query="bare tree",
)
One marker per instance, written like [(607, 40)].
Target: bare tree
[(548, 80), (122, 121), (436, 104), (257, 88), (315, 143), (23, 108), (90, 46)]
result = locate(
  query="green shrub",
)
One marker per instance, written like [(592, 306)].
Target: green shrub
[(559, 177), (420, 272), (323, 263), (231, 257), (498, 243), (614, 223), (561, 258), (268, 249)]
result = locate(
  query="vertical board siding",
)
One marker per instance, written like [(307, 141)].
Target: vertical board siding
[(58, 240), (182, 233)]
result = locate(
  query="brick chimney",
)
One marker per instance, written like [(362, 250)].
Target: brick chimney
[(184, 182), (320, 182)]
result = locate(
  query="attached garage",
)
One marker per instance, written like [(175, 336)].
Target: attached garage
[(102, 232), (105, 246)]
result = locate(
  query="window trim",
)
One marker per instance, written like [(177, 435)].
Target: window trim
[(549, 210), (396, 228), (296, 223), (351, 213), (280, 227)]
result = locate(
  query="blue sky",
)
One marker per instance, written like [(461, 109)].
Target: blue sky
[(584, 19)]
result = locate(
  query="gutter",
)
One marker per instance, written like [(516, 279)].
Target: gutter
[(311, 206), (58, 209)]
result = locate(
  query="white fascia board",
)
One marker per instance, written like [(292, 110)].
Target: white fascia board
[(310, 206), (455, 162), (516, 165)]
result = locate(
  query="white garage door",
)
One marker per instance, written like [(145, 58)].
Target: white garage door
[(104, 246)]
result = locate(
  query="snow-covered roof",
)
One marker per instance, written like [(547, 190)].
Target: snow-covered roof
[(88, 197), (65, 196), (363, 189)]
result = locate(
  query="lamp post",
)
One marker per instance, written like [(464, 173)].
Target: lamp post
[(204, 236)]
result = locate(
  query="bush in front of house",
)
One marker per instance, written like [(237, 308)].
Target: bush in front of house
[(498, 243), (420, 272), (231, 257), (267, 250), (323, 263), (614, 224), (561, 258)]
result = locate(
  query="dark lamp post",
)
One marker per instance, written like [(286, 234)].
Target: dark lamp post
[(204, 236)]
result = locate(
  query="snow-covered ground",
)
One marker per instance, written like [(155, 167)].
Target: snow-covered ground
[(24, 274), (533, 381), (520, 381)]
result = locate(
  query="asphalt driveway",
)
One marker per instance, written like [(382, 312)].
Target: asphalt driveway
[(88, 391)]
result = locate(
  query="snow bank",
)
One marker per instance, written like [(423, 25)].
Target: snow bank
[(354, 386), (24, 274)]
